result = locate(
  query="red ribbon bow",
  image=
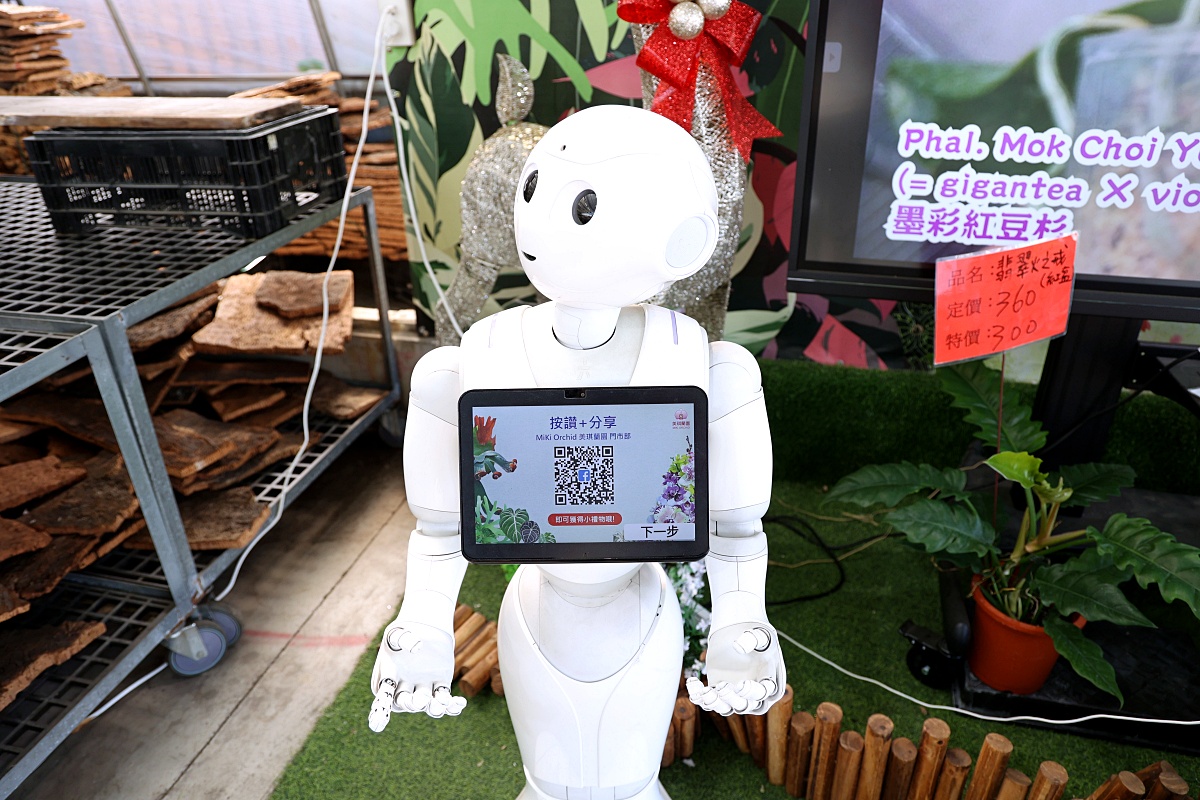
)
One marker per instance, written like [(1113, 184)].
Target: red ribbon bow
[(722, 44)]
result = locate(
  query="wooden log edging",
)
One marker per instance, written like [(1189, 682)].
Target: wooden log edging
[(821, 761), (813, 758)]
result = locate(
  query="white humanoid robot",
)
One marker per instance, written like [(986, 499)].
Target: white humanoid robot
[(614, 204)]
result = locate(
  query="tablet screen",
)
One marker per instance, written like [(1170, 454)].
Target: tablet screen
[(584, 474)]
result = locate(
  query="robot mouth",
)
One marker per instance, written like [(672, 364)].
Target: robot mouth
[(528, 257)]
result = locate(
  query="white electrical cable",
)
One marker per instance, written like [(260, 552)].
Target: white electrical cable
[(312, 379), (112, 701), (411, 210), (976, 715)]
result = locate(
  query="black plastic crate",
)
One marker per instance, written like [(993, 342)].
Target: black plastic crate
[(248, 181)]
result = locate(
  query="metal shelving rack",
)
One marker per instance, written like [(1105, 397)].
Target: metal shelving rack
[(69, 298)]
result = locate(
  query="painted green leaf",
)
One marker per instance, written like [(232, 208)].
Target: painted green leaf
[(943, 528), (1087, 585), (595, 26), (484, 24), (753, 329), (976, 389), (1095, 483), (1021, 468), (1084, 655), (891, 483), (1153, 556)]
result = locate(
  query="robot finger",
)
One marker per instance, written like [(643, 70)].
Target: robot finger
[(700, 694), (738, 703), (453, 705), (754, 639), (381, 707), (422, 696), (404, 698)]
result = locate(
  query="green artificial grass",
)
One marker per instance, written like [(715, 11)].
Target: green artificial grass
[(475, 755)]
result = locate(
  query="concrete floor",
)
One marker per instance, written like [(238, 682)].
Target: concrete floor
[(311, 596)]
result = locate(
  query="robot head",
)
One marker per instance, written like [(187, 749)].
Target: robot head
[(614, 204)]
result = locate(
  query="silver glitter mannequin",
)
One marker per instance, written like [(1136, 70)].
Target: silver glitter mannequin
[(705, 296), (486, 203)]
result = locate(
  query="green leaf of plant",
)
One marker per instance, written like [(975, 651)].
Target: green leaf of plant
[(1084, 655), (1153, 556), (950, 80), (511, 520), (891, 483), (943, 528), (1087, 585), (1019, 467), (976, 389), (1095, 483)]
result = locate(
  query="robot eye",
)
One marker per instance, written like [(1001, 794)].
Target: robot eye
[(584, 207), (530, 186)]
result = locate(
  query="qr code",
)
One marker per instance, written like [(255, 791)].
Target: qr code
[(583, 476)]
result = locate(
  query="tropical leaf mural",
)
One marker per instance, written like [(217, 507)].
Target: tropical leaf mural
[(579, 53)]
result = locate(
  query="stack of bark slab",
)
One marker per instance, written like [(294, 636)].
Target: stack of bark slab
[(811, 756), (378, 167), (31, 63)]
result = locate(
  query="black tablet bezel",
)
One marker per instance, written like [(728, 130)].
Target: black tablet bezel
[(581, 552)]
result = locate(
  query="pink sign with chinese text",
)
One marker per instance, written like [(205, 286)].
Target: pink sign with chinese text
[(989, 302)]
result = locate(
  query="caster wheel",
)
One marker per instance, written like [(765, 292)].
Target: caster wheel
[(226, 617), (214, 641), (391, 427)]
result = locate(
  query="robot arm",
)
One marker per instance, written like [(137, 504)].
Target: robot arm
[(746, 672), (415, 663)]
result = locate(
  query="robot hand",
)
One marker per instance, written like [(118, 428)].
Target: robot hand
[(746, 674), (412, 674)]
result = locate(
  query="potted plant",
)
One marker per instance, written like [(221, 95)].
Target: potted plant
[(1049, 580)]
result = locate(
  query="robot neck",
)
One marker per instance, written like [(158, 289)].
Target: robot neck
[(584, 328)]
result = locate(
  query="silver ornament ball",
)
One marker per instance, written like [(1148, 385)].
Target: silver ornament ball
[(686, 20), (714, 9)]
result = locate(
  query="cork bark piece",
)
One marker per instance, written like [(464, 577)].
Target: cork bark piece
[(172, 362), (168, 324), (35, 574), (209, 374), (216, 520), (12, 431), (241, 327), (186, 450), (21, 483), (110, 542), (81, 417), (11, 604), (26, 654), (247, 441), (238, 401), (338, 399), (292, 294), (97, 505), (17, 539), (291, 406), (68, 449), (287, 447), (17, 453)]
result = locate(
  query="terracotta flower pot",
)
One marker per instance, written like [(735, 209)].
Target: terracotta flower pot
[(1009, 655)]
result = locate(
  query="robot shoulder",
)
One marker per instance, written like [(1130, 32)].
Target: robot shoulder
[(436, 383), (733, 378)]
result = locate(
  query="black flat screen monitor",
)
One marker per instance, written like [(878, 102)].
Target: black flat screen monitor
[(584, 475), (933, 128)]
